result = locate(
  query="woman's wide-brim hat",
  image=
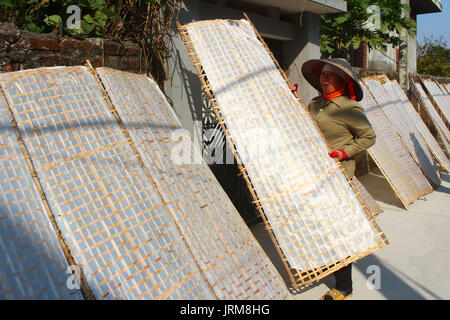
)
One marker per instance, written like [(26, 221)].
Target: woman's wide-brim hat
[(311, 70)]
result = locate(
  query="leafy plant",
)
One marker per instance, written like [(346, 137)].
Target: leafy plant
[(51, 16), (345, 31), (433, 57), (147, 23)]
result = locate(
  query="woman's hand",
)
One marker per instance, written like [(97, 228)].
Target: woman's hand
[(340, 154)]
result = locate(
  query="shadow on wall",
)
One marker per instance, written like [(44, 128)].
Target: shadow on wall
[(190, 90), (191, 86)]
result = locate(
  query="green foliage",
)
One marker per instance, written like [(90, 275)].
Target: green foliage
[(339, 33), (51, 16), (433, 57)]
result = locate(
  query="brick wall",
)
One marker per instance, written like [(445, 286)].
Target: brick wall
[(21, 49)]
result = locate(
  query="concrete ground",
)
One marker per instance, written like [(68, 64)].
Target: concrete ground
[(416, 263)]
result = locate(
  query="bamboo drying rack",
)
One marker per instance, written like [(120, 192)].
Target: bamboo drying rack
[(384, 79), (423, 110), (85, 289), (299, 279)]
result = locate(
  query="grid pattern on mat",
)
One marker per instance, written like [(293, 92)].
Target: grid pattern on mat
[(421, 127), (314, 214), (372, 205), (32, 263), (224, 247), (433, 114), (409, 132), (413, 141), (443, 88), (117, 228), (390, 154), (441, 100)]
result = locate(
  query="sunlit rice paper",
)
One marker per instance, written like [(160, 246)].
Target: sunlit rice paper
[(116, 226), (391, 155), (232, 260), (439, 97), (392, 105), (312, 210), (416, 120), (32, 263), (433, 114)]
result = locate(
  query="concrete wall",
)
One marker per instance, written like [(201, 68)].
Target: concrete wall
[(382, 60), (387, 61), (303, 47)]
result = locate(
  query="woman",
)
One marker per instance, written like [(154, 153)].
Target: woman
[(344, 126)]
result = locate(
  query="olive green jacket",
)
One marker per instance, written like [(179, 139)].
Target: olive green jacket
[(344, 125)]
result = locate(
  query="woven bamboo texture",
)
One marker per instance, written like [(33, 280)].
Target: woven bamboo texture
[(118, 229), (391, 155), (444, 91), (441, 128), (32, 263), (231, 259), (386, 98), (369, 201), (440, 99), (415, 119), (409, 133), (314, 218)]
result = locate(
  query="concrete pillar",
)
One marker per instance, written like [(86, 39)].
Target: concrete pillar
[(305, 46), (183, 87), (412, 48), (403, 65)]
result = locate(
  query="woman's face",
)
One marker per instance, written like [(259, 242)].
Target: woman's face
[(330, 81)]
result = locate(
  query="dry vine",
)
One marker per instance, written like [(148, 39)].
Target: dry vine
[(147, 23)]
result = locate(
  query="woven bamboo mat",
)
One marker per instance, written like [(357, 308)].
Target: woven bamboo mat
[(231, 259), (444, 91), (441, 128), (411, 138), (390, 154), (416, 120), (118, 229), (407, 129), (314, 218), (32, 263), (370, 202), (441, 101)]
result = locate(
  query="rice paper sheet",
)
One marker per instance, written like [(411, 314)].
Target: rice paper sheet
[(408, 133), (406, 108), (220, 241), (391, 156), (444, 91), (116, 226), (392, 105), (313, 212), (438, 96), (32, 263), (372, 205), (442, 129)]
